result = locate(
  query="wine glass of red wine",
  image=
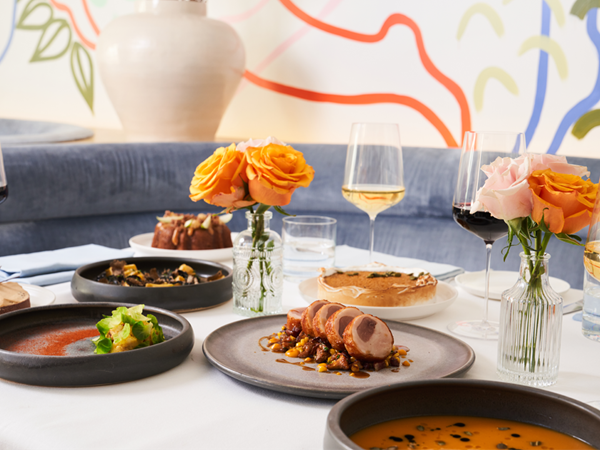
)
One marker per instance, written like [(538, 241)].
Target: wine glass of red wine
[(480, 149), (3, 185)]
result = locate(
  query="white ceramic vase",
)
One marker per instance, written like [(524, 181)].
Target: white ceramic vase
[(169, 70)]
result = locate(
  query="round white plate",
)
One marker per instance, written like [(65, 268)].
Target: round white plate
[(444, 297), (500, 280), (142, 244), (38, 296)]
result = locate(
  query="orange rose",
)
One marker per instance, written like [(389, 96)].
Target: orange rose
[(218, 180), (564, 201), (274, 172)]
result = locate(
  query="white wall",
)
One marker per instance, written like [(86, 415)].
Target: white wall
[(283, 48)]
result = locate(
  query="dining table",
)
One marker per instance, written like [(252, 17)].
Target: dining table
[(195, 405)]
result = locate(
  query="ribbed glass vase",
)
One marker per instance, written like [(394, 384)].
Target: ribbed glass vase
[(530, 326), (257, 268)]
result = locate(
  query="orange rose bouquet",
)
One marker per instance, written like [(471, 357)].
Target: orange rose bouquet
[(255, 174), (266, 172)]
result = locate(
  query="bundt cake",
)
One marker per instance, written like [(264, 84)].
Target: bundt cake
[(189, 232)]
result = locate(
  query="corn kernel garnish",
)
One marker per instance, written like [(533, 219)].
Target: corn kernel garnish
[(402, 352)]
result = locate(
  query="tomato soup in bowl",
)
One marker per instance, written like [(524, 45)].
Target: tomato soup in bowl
[(457, 414)]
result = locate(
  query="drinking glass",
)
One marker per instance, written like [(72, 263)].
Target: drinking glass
[(374, 179), (308, 245), (590, 321), (480, 149), (3, 184)]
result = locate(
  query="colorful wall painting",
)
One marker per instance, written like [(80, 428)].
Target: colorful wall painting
[(437, 68)]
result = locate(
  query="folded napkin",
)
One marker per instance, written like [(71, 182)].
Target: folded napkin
[(346, 256), (55, 266)]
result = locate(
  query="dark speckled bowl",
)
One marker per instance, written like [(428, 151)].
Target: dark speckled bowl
[(460, 398), (176, 298)]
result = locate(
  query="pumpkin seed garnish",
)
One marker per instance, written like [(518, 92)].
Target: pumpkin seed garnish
[(420, 428), (503, 428), (440, 443), (535, 443), (468, 433)]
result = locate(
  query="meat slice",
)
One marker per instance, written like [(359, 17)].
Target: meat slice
[(309, 314), (337, 323), (294, 318), (321, 317), (368, 338)]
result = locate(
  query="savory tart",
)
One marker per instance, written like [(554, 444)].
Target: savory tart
[(13, 297), (377, 285)]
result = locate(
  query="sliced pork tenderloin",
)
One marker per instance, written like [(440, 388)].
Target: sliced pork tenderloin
[(368, 338), (337, 323)]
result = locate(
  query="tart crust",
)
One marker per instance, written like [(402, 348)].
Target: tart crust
[(356, 286)]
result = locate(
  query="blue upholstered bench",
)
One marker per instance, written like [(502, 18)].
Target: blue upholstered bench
[(65, 195)]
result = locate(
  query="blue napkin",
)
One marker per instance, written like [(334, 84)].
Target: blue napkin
[(55, 266), (346, 256)]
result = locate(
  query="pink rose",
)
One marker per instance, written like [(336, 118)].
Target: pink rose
[(557, 164), (505, 194)]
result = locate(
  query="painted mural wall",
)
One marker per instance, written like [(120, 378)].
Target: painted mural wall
[(436, 67)]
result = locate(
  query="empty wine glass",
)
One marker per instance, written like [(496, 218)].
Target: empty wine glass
[(374, 178), (3, 185), (480, 149)]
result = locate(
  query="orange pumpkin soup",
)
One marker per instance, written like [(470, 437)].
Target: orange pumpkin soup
[(460, 432)]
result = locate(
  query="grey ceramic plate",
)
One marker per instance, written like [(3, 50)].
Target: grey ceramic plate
[(234, 349), (14, 131), (25, 335)]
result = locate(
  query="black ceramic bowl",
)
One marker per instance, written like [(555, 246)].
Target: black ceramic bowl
[(460, 398), (28, 329), (176, 298)]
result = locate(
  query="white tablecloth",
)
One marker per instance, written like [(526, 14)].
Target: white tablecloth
[(196, 406)]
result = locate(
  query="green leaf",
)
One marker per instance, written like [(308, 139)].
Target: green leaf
[(141, 330), (28, 16), (572, 239), (45, 51), (82, 69), (123, 334), (280, 210), (103, 345), (157, 332)]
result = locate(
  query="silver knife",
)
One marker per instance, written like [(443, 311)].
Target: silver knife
[(573, 307)]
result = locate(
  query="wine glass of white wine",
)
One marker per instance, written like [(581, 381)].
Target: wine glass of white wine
[(374, 178)]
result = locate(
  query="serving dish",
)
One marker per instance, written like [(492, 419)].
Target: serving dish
[(500, 281), (27, 328), (444, 297), (176, 298), (142, 244), (476, 398), (234, 349)]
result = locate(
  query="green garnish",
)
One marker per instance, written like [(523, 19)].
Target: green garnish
[(127, 329)]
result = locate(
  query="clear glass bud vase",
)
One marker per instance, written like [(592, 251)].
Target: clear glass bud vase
[(257, 268), (530, 326)]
